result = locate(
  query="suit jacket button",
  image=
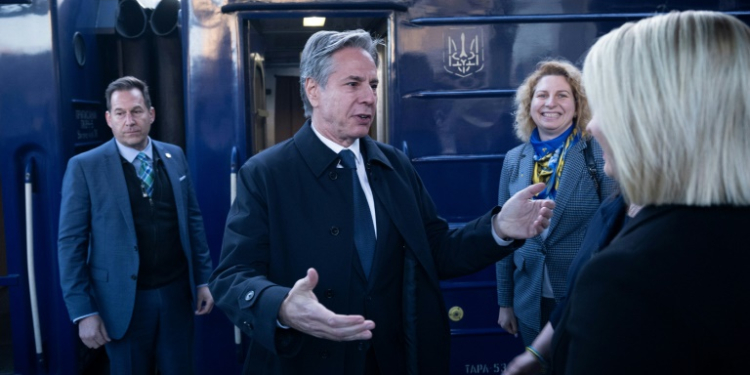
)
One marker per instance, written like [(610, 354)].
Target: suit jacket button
[(335, 231), (324, 354), (361, 346), (329, 293), (333, 175), (134, 277), (250, 295)]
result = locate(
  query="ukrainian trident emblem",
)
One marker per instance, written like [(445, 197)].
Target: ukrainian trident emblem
[(464, 52)]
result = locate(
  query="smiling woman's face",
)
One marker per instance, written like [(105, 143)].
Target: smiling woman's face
[(552, 106)]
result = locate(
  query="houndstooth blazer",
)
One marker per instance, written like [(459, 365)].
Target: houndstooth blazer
[(519, 277)]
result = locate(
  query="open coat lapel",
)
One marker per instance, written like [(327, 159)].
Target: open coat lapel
[(118, 187), (393, 192), (525, 169), (173, 171), (572, 175)]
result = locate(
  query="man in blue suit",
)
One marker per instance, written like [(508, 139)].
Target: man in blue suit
[(333, 249), (134, 261)]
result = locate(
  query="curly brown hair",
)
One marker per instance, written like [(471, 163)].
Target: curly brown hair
[(524, 124)]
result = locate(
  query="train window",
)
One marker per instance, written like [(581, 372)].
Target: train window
[(79, 48)]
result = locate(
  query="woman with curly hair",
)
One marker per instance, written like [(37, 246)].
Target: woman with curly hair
[(551, 118)]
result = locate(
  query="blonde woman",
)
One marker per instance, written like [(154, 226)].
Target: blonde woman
[(670, 96)]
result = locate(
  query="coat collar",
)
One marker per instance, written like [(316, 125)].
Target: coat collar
[(574, 172), (319, 157)]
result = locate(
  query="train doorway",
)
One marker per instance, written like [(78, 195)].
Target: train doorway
[(273, 45)]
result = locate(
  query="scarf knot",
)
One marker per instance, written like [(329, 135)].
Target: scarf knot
[(549, 159)]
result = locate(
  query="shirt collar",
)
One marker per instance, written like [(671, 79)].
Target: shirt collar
[(130, 153), (335, 147)]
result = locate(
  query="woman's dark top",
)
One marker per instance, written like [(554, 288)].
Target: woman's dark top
[(667, 296), (604, 226)]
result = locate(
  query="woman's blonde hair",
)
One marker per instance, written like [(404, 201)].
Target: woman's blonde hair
[(524, 124), (671, 94)]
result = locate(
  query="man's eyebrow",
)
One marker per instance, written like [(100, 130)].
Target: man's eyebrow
[(359, 79)]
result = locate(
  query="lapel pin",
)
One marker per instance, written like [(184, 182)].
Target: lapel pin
[(168, 155)]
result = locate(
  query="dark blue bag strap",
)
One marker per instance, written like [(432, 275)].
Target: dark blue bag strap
[(588, 154)]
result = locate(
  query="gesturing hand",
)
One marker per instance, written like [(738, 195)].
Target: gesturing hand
[(522, 217), (302, 311)]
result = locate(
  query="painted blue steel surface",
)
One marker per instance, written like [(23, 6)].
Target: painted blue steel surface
[(215, 123), (457, 125), (31, 130)]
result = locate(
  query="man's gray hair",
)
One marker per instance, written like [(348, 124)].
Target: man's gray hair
[(319, 49)]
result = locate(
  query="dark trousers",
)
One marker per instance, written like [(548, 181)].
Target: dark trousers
[(160, 334)]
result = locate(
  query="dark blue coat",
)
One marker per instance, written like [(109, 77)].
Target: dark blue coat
[(293, 211), (603, 227), (633, 309)]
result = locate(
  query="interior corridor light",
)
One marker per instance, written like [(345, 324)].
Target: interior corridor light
[(313, 21)]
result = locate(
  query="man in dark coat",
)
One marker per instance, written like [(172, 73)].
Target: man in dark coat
[(297, 272)]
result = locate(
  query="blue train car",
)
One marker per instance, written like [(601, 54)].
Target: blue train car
[(224, 74)]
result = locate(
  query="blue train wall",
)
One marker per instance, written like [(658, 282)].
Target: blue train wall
[(453, 117)]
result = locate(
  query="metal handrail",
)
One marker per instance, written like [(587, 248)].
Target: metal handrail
[(29, 203), (234, 165)]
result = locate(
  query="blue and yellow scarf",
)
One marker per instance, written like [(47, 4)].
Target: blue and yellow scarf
[(549, 159)]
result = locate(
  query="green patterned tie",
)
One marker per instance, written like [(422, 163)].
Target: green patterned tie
[(146, 174)]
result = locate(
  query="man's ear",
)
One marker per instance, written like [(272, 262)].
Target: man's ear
[(313, 91), (108, 117)]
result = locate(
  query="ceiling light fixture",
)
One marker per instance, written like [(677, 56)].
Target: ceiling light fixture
[(314, 21)]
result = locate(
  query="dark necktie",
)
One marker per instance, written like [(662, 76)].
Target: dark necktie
[(364, 230), (146, 174)]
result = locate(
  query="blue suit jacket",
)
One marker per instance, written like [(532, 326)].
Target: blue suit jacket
[(97, 245), (519, 278)]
